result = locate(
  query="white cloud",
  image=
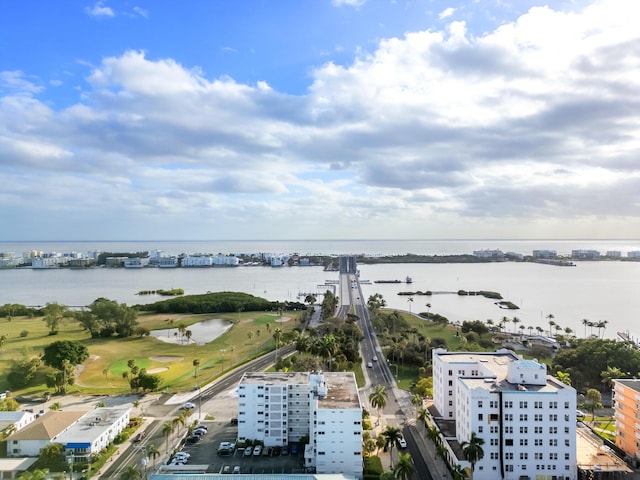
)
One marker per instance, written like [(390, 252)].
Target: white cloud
[(99, 9), (446, 13), (350, 3), (529, 128), (141, 12)]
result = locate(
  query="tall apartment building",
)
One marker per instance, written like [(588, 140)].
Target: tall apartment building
[(526, 418), (626, 405), (283, 408)]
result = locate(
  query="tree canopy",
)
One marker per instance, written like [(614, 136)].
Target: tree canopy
[(56, 353), (591, 357)]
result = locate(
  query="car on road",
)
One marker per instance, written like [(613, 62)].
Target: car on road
[(403, 443), (257, 450), (188, 406), (139, 437), (375, 359), (369, 365), (248, 451)]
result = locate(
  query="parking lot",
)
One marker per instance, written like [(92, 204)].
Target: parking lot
[(204, 452)]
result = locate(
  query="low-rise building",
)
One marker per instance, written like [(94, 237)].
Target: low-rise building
[(283, 408), (15, 421)]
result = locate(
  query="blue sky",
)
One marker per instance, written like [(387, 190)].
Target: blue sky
[(344, 119)]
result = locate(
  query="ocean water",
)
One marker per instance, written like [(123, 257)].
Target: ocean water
[(593, 290)]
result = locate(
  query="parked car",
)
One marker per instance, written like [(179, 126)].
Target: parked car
[(236, 469), (266, 451), (257, 450), (184, 455), (202, 427), (199, 433), (294, 449), (285, 450), (248, 451), (403, 443), (226, 469), (192, 439)]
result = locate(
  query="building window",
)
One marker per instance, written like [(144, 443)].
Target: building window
[(524, 430), (553, 456), (537, 442), (524, 417), (537, 404), (508, 442), (524, 442), (479, 429), (553, 430), (479, 403), (508, 456), (553, 417), (553, 442), (523, 405), (480, 416), (508, 404), (494, 442)]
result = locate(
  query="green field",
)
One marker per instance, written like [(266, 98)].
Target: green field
[(102, 372)]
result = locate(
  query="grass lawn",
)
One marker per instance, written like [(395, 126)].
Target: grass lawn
[(103, 372)]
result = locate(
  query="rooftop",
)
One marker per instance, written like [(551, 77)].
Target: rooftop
[(91, 425), (48, 426)]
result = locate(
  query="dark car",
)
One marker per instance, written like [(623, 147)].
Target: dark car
[(285, 450), (294, 449), (192, 439), (139, 437), (276, 451)]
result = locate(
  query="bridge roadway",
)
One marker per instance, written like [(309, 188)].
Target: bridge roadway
[(398, 411)]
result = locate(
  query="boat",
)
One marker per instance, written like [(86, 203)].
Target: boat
[(387, 281)]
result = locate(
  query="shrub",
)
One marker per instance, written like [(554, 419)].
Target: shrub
[(24, 333)]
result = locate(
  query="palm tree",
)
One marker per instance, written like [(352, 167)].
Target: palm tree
[(459, 473), (131, 473), (433, 434), (568, 331), (423, 415), (610, 374), (188, 334), (416, 401), (380, 441), (328, 347), (530, 329), (564, 377), (378, 399), (585, 322), (277, 334), (167, 430), (392, 436), (602, 324), (403, 469), (551, 324), (153, 452), (196, 364), (410, 301), (3, 339), (428, 305), (539, 330), (515, 321), (472, 450)]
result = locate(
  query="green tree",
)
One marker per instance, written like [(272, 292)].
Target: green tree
[(3, 340), (56, 353), (53, 315), (472, 450), (403, 469), (594, 401), (167, 430), (423, 415), (89, 322), (131, 473), (378, 399), (22, 372), (610, 374), (37, 474), (458, 472), (564, 377), (9, 405), (153, 452), (392, 436), (196, 364), (52, 455)]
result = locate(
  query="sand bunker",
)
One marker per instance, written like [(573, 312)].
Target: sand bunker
[(166, 359), (158, 370)]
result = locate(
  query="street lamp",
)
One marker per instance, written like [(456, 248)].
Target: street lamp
[(394, 365)]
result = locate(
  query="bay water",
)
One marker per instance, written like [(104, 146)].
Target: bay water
[(601, 290)]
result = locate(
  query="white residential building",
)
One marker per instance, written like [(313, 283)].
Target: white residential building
[(81, 433), (15, 420), (197, 261), (282, 408), (526, 418)]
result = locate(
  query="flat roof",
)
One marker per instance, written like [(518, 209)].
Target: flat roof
[(501, 384), (91, 425), (497, 362), (342, 391), (632, 383), (592, 454), (342, 388)]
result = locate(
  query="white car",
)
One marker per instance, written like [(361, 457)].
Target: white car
[(369, 365), (257, 450), (182, 455), (403, 443), (188, 406)]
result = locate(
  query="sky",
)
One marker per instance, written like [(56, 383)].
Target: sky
[(319, 119)]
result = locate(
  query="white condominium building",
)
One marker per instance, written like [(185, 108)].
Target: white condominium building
[(526, 418), (283, 408)]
